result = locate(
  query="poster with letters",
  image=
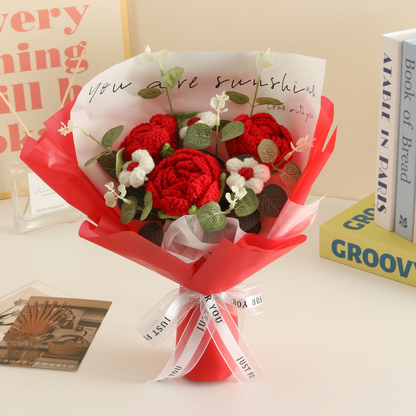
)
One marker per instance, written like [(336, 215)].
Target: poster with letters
[(41, 42)]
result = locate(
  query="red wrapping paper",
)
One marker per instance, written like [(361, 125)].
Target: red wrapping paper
[(318, 154), (53, 158)]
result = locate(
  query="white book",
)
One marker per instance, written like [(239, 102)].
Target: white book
[(406, 162), (388, 128)]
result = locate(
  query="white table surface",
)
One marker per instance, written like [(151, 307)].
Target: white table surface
[(334, 340)]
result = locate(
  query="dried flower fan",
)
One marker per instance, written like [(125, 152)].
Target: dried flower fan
[(39, 321), (33, 322)]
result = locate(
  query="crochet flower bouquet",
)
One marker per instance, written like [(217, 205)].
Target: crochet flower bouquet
[(196, 166)]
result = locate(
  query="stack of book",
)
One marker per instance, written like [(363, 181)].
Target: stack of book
[(378, 234)]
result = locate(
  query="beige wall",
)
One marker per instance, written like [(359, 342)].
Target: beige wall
[(345, 33)]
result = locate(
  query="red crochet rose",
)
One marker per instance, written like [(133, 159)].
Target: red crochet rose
[(189, 177), (256, 128), (151, 136)]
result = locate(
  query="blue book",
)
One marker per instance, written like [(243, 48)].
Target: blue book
[(406, 162)]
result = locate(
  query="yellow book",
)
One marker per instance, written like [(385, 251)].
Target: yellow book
[(352, 238)]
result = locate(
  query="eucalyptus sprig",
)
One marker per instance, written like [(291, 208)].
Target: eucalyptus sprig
[(242, 200), (239, 98), (198, 135), (290, 174), (130, 205), (169, 78), (106, 142)]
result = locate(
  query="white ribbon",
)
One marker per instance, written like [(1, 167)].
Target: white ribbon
[(211, 320)]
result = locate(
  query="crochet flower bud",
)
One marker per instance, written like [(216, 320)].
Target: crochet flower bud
[(256, 128), (151, 136)]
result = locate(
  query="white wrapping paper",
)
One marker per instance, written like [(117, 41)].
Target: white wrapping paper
[(110, 99)]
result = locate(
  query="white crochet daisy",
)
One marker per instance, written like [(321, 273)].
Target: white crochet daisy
[(134, 172), (207, 117), (247, 173)]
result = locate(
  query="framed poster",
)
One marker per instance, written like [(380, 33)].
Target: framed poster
[(41, 42)]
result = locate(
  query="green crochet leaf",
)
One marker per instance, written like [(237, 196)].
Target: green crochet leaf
[(119, 162), (108, 162), (237, 97), (223, 123), (149, 93), (153, 232), (268, 151), (198, 136), (128, 211), (256, 229), (247, 205), (163, 216), (272, 200), (171, 77), (179, 116), (210, 217), (268, 100), (111, 136), (148, 205), (94, 158), (183, 114), (290, 174), (138, 193), (248, 222), (232, 130)]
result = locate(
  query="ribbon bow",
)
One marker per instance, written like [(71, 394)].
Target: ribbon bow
[(211, 320)]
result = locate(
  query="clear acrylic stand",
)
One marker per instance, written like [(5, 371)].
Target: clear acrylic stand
[(35, 205)]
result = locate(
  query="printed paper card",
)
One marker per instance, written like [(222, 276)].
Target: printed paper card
[(52, 333), (43, 198)]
